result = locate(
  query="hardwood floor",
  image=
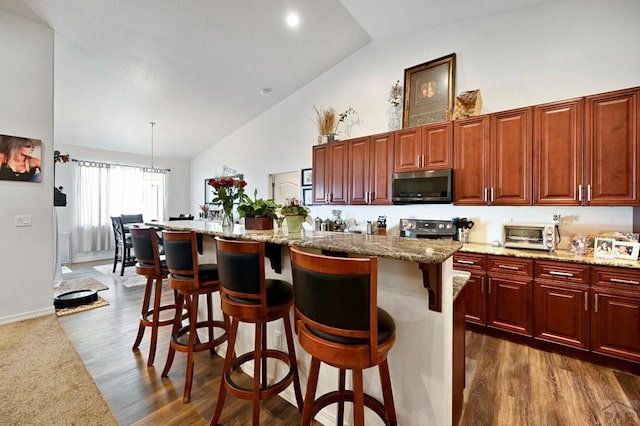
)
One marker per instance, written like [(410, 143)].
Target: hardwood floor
[(507, 383)]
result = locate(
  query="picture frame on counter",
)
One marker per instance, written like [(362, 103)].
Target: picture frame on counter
[(626, 250), (306, 177), (603, 248), (579, 244), (429, 92), (307, 195)]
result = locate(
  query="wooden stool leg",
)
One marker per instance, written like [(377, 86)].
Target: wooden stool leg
[(387, 393), (155, 319), (257, 364), (341, 391), (210, 318), (310, 395), (263, 369), (226, 369), (294, 362), (193, 331), (177, 322), (358, 398), (145, 308)]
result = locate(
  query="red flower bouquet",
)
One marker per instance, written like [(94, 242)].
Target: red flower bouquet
[(225, 191)]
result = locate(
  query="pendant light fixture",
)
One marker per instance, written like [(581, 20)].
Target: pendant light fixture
[(153, 123)]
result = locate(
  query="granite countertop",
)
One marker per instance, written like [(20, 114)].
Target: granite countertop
[(558, 255), (460, 279), (385, 246)]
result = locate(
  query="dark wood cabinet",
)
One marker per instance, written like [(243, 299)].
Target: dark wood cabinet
[(615, 317), (370, 169), (612, 156), (424, 148), (493, 159), (474, 292), (558, 153), (510, 294), (561, 303), (471, 160), (330, 168)]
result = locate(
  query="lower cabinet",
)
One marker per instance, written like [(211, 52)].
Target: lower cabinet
[(510, 294), (615, 318), (589, 308), (561, 301)]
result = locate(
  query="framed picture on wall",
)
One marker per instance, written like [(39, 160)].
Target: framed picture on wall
[(428, 92), (306, 177), (307, 195), (20, 159)]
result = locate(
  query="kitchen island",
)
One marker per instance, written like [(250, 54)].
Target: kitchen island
[(415, 285)]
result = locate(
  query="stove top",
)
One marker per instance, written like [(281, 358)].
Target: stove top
[(425, 228)]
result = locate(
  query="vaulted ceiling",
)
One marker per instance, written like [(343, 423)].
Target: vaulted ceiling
[(200, 69)]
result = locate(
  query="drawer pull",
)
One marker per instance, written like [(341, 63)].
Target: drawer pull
[(618, 280), (465, 262), (511, 268), (586, 298), (561, 274)]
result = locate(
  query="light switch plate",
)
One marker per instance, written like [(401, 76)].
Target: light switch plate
[(23, 220)]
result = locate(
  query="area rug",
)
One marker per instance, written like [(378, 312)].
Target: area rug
[(68, 311), (129, 279), (53, 386)]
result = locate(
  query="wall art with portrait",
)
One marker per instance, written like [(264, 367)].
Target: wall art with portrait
[(429, 90), (20, 159)]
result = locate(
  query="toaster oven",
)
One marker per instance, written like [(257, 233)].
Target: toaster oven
[(537, 236)]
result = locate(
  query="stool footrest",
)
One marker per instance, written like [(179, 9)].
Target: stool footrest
[(181, 346), (266, 391), (147, 318), (348, 396)]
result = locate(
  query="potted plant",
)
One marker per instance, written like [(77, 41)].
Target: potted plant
[(295, 213), (257, 213)]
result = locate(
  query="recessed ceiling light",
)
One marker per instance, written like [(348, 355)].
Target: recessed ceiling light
[(265, 91), (293, 20)]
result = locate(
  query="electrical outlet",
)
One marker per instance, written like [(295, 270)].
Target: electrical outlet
[(277, 339), (23, 220)]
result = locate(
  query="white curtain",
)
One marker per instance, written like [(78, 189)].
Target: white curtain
[(106, 190)]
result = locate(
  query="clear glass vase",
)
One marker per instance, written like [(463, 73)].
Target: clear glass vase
[(227, 219)]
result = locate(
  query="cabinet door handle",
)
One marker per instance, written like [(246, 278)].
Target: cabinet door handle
[(595, 306), (511, 268), (580, 193), (422, 161), (489, 285), (331, 197), (561, 274), (620, 280), (493, 194), (484, 196), (586, 301), (465, 262), (589, 193), (418, 160)]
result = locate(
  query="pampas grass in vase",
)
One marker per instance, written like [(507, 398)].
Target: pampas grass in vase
[(325, 121)]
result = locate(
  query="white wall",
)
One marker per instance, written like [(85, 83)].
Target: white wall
[(548, 53), (177, 181), (26, 109)]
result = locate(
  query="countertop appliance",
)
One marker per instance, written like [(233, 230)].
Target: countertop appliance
[(429, 186), (536, 236), (425, 228)]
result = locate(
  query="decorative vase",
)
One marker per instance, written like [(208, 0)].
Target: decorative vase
[(395, 117), (258, 223), (294, 223), (227, 219)]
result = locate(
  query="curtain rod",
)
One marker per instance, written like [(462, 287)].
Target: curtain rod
[(153, 169)]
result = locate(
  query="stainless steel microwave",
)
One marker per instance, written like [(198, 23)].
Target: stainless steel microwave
[(429, 186), (537, 236)]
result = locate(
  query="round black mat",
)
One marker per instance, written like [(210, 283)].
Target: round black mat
[(75, 298)]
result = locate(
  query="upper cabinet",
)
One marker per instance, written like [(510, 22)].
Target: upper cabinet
[(558, 152), (424, 148), (330, 168), (493, 159), (611, 148), (370, 169), (586, 151)]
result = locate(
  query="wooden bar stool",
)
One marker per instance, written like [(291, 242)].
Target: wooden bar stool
[(339, 323), (190, 280), (246, 296), (145, 245)]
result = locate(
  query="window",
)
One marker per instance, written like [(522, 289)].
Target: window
[(106, 190)]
